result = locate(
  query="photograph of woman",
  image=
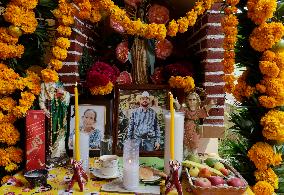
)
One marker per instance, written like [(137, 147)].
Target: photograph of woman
[(91, 122)]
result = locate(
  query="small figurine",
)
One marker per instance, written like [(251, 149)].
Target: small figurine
[(173, 179), (54, 101), (193, 113), (78, 176)]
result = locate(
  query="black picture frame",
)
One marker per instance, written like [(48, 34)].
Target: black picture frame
[(124, 95), (103, 123)]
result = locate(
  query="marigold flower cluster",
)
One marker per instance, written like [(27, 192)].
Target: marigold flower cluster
[(187, 83), (229, 25), (268, 176), (273, 89), (263, 188), (91, 10), (10, 155), (262, 155), (85, 8), (102, 90), (273, 125), (259, 11), (266, 35), (22, 18), (10, 111)]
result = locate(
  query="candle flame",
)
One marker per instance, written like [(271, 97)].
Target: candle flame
[(76, 84), (130, 161)]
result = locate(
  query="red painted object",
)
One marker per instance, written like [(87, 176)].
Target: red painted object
[(78, 176), (35, 140)]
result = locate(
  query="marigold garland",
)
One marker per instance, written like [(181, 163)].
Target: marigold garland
[(229, 25), (149, 31)]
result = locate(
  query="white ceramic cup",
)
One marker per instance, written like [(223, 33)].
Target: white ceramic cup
[(108, 165)]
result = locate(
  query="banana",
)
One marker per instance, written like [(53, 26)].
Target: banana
[(189, 164)]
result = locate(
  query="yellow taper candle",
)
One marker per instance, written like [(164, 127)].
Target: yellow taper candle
[(77, 130), (172, 128)]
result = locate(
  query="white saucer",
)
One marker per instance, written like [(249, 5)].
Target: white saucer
[(154, 178), (98, 173)]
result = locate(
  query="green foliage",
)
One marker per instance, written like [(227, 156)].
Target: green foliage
[(235, 152), (86, 61), (279, 14), (45, 7)]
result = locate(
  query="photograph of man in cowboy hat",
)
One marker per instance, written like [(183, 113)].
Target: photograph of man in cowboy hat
[(143, 124)]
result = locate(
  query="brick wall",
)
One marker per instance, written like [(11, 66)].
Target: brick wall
[(206, 42), (81, 37)]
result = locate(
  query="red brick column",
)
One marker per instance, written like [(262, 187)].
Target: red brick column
[(81, 37), (206, 42)]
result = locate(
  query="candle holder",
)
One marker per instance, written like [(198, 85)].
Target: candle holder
[(131, 164), (178, 139), (84, 150)]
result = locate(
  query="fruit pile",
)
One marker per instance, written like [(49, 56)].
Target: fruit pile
[(211, 173)]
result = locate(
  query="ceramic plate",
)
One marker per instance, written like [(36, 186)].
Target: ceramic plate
[(154, 178), (97, 173)]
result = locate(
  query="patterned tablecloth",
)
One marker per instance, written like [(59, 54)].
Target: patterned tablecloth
[(58, 179)]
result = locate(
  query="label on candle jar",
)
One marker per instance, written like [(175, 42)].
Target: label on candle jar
[(35, 140)]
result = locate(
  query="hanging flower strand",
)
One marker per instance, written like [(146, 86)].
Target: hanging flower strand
[(91, 10), (229, 25), (65, 16)]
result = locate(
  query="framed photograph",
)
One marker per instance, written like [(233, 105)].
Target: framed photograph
[(95, 119), (139, 114)]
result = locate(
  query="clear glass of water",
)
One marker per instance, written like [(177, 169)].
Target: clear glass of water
[(106, 146)]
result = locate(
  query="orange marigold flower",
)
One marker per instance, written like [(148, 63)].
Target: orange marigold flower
[(49, 75), (270, 69), (4, 158), (29, 4), (56, 64), (15, 154), (63, 43), (263, 188), (261, 154), (266, 35), (267, 102), (182, 24), (7, 103), (172, 28), (267, 175), (268, 56), (5, 37), (60, 54), (9, 135), (260, 11), (64, 30)]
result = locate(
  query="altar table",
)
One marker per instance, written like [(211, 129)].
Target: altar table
[(59, 178)]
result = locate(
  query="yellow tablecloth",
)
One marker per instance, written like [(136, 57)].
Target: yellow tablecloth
[(59, 178)]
